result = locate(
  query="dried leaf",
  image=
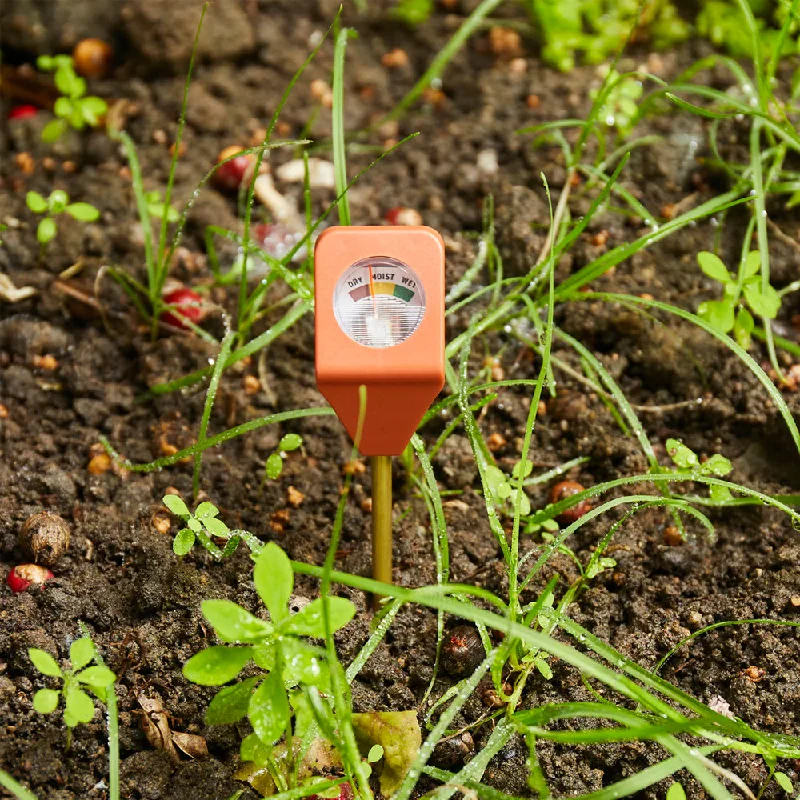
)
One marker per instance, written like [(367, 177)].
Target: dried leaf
[(399, 734), (155, 723), (191, 744), (321, 758), (258, 777)]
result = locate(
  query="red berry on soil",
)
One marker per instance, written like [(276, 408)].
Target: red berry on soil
[(23, 576), (403, 216), (229, 176), (23, 112), (188, 303), (566, 489), (92, 58), (462, 651), (44, 537)]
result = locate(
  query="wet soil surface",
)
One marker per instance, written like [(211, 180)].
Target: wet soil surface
[(66, 379)]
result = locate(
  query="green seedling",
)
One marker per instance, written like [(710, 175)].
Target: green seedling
[(73, 109), (76, 683), (619, 107), (274, 465), (204, 526), (412, 12), (57, 203), (504, 490), (741, 296), (158, 209), (687, 462), (286, 695)]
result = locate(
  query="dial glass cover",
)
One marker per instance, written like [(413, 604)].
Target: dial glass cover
[(379, 301)]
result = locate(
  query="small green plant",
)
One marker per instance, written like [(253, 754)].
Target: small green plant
[(687, 463), (57, 203), (76, 682), (286, 695), (204, 526), (73, 109), (274, 465), (619, 106), (158, 209), (504, 491), (412, 12), (741, 295)]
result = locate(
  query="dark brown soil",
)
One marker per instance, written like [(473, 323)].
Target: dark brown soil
[(120, 577)]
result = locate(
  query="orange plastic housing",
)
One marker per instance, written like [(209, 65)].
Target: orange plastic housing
[(401, 380)]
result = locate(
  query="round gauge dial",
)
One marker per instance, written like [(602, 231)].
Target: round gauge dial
[(379, 301)]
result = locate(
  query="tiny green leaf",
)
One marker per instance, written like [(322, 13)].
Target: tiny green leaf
[(78, 707), (57, 201), (54, 130), (717, 465), (36, 202), (46, 230), (304, 664), (81, 652), (63, 107), (274, 466), (309, 620), (713, 267), (183, 542), (720, 494), (274, 579), (253, 749), (205, 510), (681, 454), (494, 478), (216, 665), (291, 441), (269, 709), (97, 677), (216, 527), (718, 313), (175, 505), (375, 753), (230, 703), (44, 662), (85, 212), (752, 263), (544, 668), (234, 623), (45, 701), (194, 524), (743, 327), (526, 467), (45, 63), (783, 780), (675, 792), (765, 303)]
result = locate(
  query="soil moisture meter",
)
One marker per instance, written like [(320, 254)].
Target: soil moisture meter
[(379, 305)]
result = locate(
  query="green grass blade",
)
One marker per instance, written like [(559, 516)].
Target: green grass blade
[(339, 141), (211, 394)]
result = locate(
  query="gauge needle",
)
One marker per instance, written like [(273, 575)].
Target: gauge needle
[(372, 291)]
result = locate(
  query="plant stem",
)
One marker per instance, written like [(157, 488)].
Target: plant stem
[(113, 743), (381, 520)]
